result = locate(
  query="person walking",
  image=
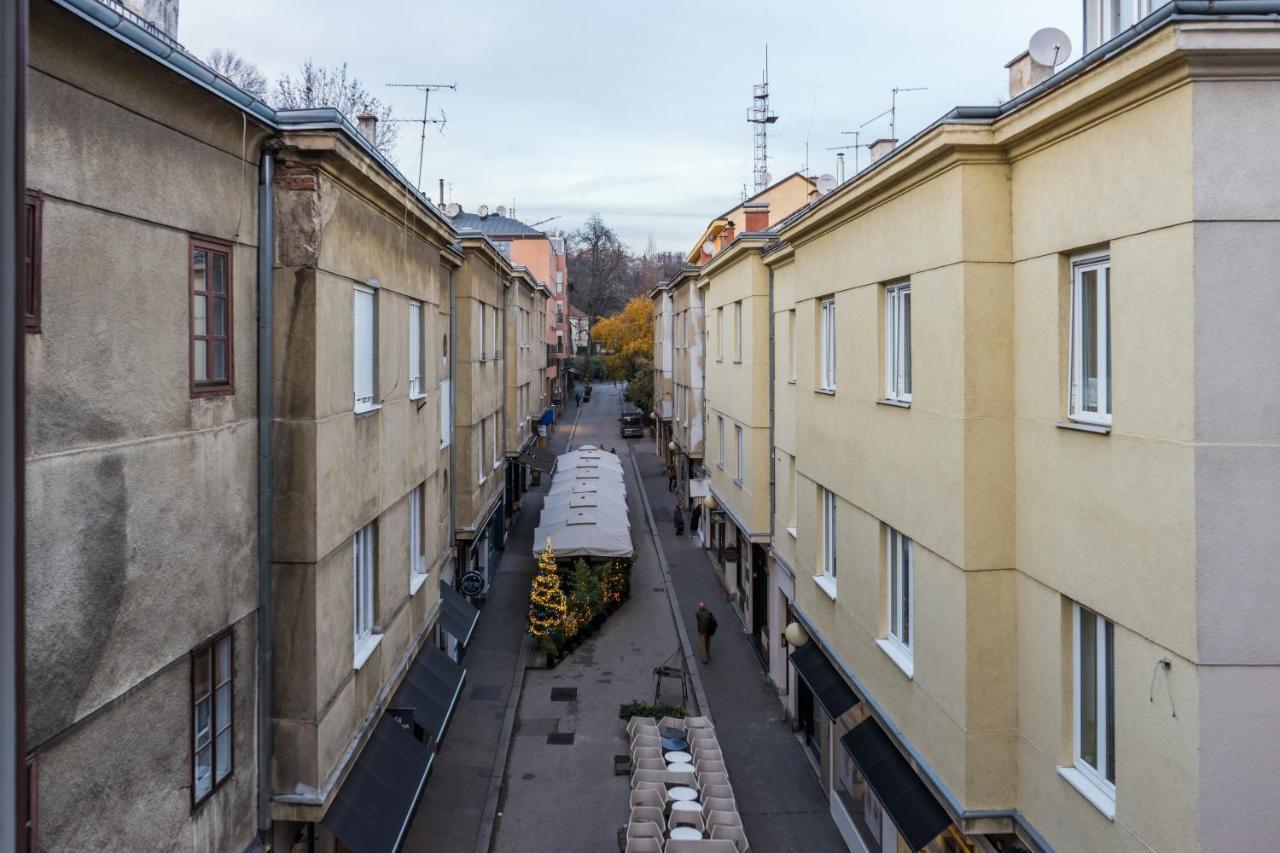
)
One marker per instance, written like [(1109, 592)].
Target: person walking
[(671, 477), (678, 518), (577, 399), (706, 630), (695, 516)]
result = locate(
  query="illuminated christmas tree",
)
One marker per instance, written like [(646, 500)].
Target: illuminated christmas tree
[(547, 606)]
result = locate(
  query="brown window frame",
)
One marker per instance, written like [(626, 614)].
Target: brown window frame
[(211, 649), (210, 388), (34, 228)]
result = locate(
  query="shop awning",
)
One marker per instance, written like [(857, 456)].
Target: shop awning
[(374, 807), (823, 679), (910, 804), (431, 688), (536, 457), (456, 614)]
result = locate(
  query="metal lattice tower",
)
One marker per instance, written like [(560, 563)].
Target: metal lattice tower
[(760, 116)]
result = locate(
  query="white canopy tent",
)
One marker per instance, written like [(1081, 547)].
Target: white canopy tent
[(585, 512)]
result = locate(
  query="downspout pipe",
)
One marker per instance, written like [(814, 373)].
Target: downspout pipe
[(266, 266), (453, 419), (773, 452)]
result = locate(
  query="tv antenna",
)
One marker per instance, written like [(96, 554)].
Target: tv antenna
[(544, 221), (760, 116), (856, 146), (426, 89), (892, 112)]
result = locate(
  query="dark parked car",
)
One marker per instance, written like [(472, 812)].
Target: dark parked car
[(631, 425)]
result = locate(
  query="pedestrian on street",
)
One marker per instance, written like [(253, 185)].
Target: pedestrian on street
[(694, 517), (706, 630), (671, 477), (678, 517), (577, 399)]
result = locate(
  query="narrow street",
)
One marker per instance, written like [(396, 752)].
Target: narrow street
[(558, 789)]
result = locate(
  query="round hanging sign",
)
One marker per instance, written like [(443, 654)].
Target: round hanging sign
[(471, 584)]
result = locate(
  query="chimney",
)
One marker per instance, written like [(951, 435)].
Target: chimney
[(757, 216), (161, 14), (367, 124), (881, 147), (1025, 72), (726, 236), (839, 168)]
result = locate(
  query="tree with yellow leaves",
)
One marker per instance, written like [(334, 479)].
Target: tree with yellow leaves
[(627, 338)]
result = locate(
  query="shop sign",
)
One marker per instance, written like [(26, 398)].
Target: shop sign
[(731, 553), (471, 584)]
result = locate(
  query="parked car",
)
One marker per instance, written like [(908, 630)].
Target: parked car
[(631, 425)]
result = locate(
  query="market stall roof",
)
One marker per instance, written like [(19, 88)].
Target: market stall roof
[(585, 512)]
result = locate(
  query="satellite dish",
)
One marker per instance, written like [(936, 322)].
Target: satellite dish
[(826, 183), (501, 211), (709, 247), (483, 210), (1050, 46), (453, 209), (768, 179)]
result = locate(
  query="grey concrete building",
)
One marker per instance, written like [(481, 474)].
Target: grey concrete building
[(525, 367), (141, 515)]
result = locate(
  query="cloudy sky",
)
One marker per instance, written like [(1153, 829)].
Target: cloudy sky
[(636, 111)]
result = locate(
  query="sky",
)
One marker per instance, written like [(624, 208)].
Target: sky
[(636, 111)]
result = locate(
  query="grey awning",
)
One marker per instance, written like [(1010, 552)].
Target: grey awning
[(431, 688), (456, 614), (910, 804), (373, 809), (823, 680), (536, 457)]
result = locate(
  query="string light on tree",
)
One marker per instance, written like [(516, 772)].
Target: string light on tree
[(547, 606)]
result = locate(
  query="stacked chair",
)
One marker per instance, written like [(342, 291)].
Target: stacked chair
[(664, 819)]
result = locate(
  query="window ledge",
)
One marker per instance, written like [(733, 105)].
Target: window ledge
[(793, 531), (830, 392), (366, 410), (738, 482), (897, 404), (416, 581), (364, 648), (1101, 799), (827, 584), (422, 396), (1099, 429), (791, 382), (902, 658)]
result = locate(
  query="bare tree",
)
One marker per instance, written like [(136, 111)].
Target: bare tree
[(598, 268), (240, 71), (319, 86)]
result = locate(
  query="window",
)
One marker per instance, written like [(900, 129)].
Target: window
[(559, 312), (497, 333), (791, 492), (481, 468), (210, 275), (417, 545), (362, 576), (211, 714), (791, 334), (897, 342), (737, 435), (444, 350), (737, 331), (1106, 19), (559, 341), (720, 442), (827, 336), (559, 282), (1093, 668), (1091, 339), (900, 612), (493, 436), (446, 414), (827, 556), (365, 347), (31, 264), (416, 386), (481, 311)]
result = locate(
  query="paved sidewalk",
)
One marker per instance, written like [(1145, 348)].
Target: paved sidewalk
[(782, 805)]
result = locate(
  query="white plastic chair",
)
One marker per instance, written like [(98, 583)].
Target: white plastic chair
[(686, 817), (731, 833), (649, 764), (714, 819), (656, 787), (709, 754), (637, 722), (671, 723), (650, 814), (712, 777), (718, 804), (724, 792), (644, 829), (712, 765), (647, 797), (704, 845), (645, 752), (644, 845), (646, 740)]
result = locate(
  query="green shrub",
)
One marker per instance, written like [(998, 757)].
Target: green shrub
[(649, 709)]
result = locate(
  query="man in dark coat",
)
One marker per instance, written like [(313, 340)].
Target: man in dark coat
[(706, 629)]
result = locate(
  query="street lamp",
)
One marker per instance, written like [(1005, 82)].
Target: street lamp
[(796, 635), (671, 445), (710, 502)]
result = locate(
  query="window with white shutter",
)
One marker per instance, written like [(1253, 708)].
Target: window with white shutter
[(417, 544), (897, 336), (827, 337), (416, 387), (446, 414), (481, 311), (362, 563), (364, 347)]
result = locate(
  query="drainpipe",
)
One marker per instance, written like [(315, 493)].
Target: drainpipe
[(773, 453), (453, 420), (266, 264)]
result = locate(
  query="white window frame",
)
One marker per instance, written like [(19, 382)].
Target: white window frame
[(446, 414), (493, 438), (497, 333), (737, 330), (363, 574), (482, 470), (366, 402), (417, 369), (827, 339), (720, 442), (417, 541), (1098, 263), (897, 342), (1092, 781), (483, 309), (559, 281), (794, 343), (1108, 18), (900, 600), (828, 554), (740, 439), (720, 333)]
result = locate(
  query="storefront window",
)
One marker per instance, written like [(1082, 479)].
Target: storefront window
[(859, 801)]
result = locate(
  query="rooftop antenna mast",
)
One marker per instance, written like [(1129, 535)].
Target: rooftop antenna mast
[(426, 89), (892, 112), (760, 116), (856, 146)]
